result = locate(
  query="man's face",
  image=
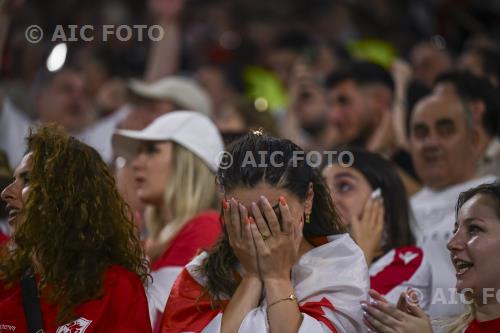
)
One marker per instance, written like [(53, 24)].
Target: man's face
[(349, 112), (63, 101), (442, 148)]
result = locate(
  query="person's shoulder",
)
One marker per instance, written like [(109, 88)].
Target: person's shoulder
[(208, 217), (206, 221), (118, 277)]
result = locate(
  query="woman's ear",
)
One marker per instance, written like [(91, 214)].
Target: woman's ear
[(309, 199)]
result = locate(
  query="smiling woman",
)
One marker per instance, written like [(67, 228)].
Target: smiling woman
[(72, 229), (474, 250)]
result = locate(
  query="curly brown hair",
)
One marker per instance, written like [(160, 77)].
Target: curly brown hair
[(74, 224)]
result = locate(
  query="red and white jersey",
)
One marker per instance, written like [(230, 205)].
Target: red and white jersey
[(399, 269), (329, 282), (123, 308), (201, 232)]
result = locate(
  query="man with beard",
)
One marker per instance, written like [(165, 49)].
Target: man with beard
[(444, 147), (360, 102), (359, 98)]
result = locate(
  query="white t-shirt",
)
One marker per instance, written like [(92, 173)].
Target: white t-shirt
[(434, 213), (14, 127), (400, 269)]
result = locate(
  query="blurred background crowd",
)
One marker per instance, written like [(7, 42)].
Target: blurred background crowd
[(416, 82)]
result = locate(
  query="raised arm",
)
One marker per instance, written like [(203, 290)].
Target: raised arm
[(164, 54)]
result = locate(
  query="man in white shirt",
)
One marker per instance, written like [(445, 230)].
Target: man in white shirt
[(444, 148), (481, 97)]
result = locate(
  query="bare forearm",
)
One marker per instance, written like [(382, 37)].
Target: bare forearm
[(245, 299), (164, 54), (282, 316)]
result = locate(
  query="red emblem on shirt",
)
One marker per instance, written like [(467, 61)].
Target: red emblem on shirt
[(78, 326)]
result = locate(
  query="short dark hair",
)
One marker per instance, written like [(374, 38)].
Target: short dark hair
[(362, 73), (472, 88)]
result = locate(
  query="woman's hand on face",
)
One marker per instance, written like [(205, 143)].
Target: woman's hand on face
[(277, 249), (367, 231), (407, 317), (240, 236)]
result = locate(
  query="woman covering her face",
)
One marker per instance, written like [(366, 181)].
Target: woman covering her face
[(474, 250), (75, 239), (372, 201), (283, 263)]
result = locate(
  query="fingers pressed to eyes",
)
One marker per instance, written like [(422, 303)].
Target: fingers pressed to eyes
[(245, 234), (226, 214), (271, 218), (235, 221), (260, 245), (260, 222), (286, 216)]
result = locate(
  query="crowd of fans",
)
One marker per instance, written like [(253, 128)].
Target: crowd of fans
[(122, 214)]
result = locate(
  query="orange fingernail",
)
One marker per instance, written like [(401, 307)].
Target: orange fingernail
[(251, 220), (282, 200), (225, 204)]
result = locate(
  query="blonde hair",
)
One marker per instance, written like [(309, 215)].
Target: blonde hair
[(191, 189), (457, 324)]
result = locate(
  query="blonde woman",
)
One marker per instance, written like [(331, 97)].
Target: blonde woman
[(173, 161), (474, 250)]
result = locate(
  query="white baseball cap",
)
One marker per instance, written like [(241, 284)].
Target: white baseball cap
[(192, 130), (184, 92)]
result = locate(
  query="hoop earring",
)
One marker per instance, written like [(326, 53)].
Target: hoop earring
[(308, 218)]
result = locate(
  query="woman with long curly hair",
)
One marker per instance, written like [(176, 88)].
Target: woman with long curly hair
[(283, 263), (75, 234)]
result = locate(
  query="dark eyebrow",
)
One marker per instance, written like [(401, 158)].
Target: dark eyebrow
[(445, 121), (419, 125), (473, 219), (344, 174)]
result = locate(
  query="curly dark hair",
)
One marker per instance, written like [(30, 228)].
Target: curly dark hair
[(74, 224), (290, 173)]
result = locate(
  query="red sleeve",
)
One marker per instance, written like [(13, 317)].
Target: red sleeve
[(3, 239), (200, 233), (129, 312), (186, 311)]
